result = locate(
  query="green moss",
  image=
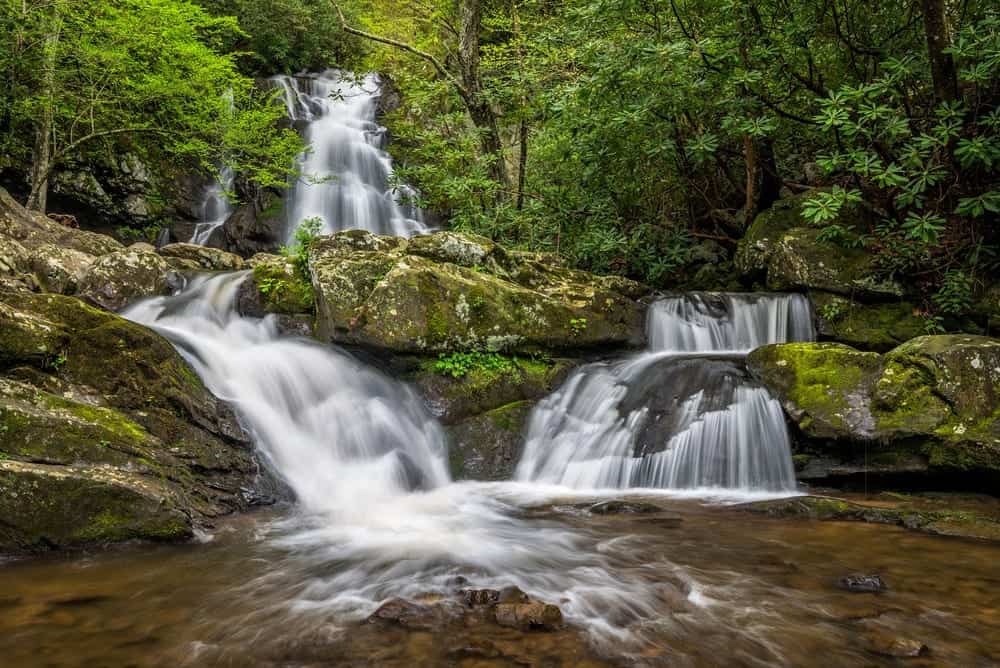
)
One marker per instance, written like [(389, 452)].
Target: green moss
[(283, 291)]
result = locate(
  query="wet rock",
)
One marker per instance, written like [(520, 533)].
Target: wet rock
[(623, 507), (886, 644), (446, 292), (488, 446), (275, 286), (861, 583), (255, 227), (211, 259), (476, 597), (116, 279), (403, 612), (534, 615)]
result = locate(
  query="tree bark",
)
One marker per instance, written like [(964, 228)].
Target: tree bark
[(41, 157), (938, 39)]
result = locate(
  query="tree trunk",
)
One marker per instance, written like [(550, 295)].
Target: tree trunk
[(938, 39), (42, 152), (522, 157), (479, 109), (522, 163)]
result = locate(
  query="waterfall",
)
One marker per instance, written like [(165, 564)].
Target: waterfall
[(684, 414), (333, 428), (347, 178), (215, 207)]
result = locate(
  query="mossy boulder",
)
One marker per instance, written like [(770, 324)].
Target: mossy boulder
[(878, 327), (488, 446), (787, 254), (93, 404), (934, 398), (203, 257), (446, 292), (116, 279), (275, 286)]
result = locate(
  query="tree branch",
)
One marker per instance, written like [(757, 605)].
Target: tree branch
[(403, 46)]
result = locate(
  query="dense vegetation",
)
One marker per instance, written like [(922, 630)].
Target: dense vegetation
[(631, 136)]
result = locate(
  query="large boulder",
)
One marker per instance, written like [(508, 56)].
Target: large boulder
[(929, 405), (203, 257), (447, 291), (115, 279), (488, 446), (258, 226), (107, 434), (787, 254), (58, 269), (879, 327)]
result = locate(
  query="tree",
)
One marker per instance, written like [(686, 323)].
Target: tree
[(467, 81), (145, 76)]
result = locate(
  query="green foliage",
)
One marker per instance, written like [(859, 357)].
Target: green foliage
[(459, 365), (298, 251), (955, 295), (577, 326)]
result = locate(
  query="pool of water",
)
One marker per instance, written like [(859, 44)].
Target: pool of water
[(695, 585)]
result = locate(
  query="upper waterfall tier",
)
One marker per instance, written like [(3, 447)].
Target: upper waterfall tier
[(347, 178), (727, 322)]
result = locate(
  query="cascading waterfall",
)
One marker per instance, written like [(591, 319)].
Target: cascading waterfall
[(215, 207), (683, 415), (332, 427), (347, 176)]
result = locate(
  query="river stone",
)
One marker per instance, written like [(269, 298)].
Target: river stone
[(116, 279), (59, 269), (531, 615), (211, 259), (107, 407), (789, 255), (934, 397), (428, 295), (862, 583)]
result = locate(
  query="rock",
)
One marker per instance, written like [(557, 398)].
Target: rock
[(475, 597), (204, 257), (488, 446), (274, 287), (861, 583), (895, 646), (935, 397), (32, 229), (107, 434), (116, 279), (403, 612), (59, 269), (877, 327), (534, 615), (622, 507), (789, 255), (446, 292), (255, 227)]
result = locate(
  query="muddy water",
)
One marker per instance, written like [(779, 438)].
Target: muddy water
[(727, 588)]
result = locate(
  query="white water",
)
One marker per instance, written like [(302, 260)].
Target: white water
[(347, 176), (215, 207), (366, 463), (678, 416)]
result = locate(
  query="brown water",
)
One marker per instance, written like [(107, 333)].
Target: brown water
[(727, 588)]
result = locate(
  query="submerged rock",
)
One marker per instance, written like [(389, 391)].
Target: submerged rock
[(447, 291), (861, 583), (623, 507), (886, 644), (936, 398), (529, 615)]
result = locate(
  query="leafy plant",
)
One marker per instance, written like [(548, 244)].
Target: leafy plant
[(954, 297), (461, 364)]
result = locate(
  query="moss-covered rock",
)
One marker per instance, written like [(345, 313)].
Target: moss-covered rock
[(936, 398), (115, 279), (103, 404), (447, 292), (878, 327), (203, 257), (789, 255), (487, 446), (274, 286)]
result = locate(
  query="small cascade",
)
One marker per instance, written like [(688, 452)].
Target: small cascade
[(335, 429), (683, 415), (215, 207), (347, 175)]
